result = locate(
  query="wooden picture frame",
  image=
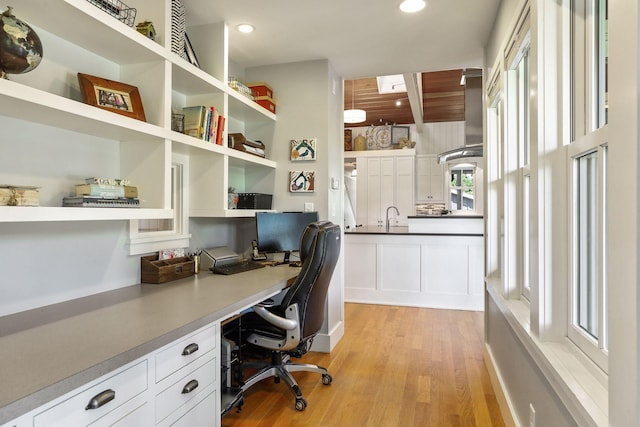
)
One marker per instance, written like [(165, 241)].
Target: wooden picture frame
[(112, 96)]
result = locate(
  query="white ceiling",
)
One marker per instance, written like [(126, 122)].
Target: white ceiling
[(360, 38)]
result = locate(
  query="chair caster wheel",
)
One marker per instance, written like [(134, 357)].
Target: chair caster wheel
[(301, 404), (326, 379)]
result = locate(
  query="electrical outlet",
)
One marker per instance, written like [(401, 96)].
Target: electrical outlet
[(532, 415), (308, 207)]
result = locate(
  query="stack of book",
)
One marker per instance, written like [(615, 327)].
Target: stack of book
[(103, 193), (205, 123)]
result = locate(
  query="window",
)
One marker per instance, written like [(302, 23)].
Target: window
[(462, 187), (590, 65), (521, 75), (589, 290), (494, 235), (587, 158), (148, 235)]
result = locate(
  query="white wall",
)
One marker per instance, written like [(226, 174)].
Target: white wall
[(308, 98)]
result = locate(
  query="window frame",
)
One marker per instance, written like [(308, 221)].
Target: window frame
[(142, 242), (594, 347), (588, 135)]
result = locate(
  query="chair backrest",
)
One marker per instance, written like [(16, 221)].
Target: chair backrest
[(319, 252)]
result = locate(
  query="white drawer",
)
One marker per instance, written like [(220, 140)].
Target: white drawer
[(135, 413), (204, 413), (186, 388), (115, 390), (185, 351)]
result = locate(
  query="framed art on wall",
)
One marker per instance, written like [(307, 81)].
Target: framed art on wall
[(397, 133), (303, 149), (301, 181)]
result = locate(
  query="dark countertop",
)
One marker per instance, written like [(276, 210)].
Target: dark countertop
[(397, 231), (445, 216)]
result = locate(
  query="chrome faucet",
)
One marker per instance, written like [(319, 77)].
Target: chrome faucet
[(397, 213)]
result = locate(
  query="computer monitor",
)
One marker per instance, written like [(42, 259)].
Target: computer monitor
[(280, 232)]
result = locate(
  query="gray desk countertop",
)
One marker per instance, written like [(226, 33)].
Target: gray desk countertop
[(48, 352)]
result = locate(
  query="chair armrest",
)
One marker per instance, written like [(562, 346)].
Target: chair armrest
[(269, 302), (280, 322)]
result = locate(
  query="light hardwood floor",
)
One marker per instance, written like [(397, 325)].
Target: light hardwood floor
[(395, 366)]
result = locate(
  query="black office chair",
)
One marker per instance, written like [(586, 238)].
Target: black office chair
[(288, 329)]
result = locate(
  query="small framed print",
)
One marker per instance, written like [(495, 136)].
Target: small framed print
[(301, 181), (191, 54), (397, 133), (303, 149), (110, 95)]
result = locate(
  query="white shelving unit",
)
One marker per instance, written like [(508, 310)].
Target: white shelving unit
[(52, 140)]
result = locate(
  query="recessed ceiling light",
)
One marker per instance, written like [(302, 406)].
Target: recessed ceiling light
[(246, 28), (411, 6), (398, 103)]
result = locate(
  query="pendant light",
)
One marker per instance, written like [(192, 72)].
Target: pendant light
[(354, 115)]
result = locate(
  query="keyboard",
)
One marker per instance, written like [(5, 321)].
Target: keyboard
[(238, 267)]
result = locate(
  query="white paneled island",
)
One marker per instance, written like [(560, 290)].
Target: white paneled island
[(437, 261)]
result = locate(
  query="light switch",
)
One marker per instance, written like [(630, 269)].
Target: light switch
[(308, 207), (335, 183)]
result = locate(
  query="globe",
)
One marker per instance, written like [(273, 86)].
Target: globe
[(20, 46)]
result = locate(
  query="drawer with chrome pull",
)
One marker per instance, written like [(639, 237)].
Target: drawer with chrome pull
[(84, 407), (183, 390), (185, 351)]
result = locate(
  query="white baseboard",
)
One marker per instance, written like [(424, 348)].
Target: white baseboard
[(415, 299), (324, 343), (496, 381)]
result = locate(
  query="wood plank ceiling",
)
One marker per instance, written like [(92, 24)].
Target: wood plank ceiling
[(442, 100)]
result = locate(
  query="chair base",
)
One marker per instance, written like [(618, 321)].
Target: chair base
[(281, 368)]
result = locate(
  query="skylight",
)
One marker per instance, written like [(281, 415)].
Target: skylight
[(391, 84)]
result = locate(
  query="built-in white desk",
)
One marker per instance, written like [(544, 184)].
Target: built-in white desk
[(54, 350)]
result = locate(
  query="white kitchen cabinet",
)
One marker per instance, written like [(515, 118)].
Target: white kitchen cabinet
[(54, 141), (384, 181), (430, 182), (429, 270)]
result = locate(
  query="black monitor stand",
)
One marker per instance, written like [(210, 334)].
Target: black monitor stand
[(287, 255)]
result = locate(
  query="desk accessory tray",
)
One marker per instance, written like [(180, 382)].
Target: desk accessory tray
[(156, 271), (237, 141)]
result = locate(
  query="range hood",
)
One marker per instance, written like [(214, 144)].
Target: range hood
[(473, 133)]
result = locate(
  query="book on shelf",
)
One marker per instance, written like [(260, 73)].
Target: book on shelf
[(100, 202), (215, 118), (220, 129), (106, 190), (109, 181), (193, 120)]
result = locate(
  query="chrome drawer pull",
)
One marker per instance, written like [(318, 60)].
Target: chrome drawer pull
[(101, 399), (190, 349), (190, 386)]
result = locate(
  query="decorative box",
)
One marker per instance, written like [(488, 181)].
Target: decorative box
[(154, 270), (267, 103), (14, 195), (261, 89), (348, 146), (254, 201)]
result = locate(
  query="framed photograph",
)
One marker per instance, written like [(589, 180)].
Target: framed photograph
[(110, 95), (397, 133), (301, 181), (191, 54), (303, 149)]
